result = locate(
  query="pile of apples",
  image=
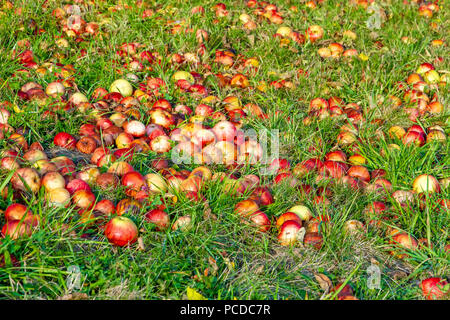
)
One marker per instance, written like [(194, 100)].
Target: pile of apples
[(420, 93), (135, 115)]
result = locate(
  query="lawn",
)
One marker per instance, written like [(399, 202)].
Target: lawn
[(174, 182)]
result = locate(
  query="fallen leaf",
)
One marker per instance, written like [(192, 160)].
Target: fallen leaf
[(192, 294), (74, 296), (324, 282), (141, 245), (213, 264)]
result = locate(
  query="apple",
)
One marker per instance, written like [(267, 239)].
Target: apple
[(403, 197), (203, 137), (405, 241), (58, 197), (302, 211), (246, 207), (105, 207), (88, 174), (65, 140), (44, 166), (224, 130), (78, 98), (86, 145), (286, 217), (53, 180), (121, 86), (128, 206), (353, 226), (314, 33), (158, 217), (33, 156), (55, 89), (183, 223), (120, 168), (9, 163), (359, 172), (262, 196), (313, 239), (83, 199), (87, 130), (433, 288), (121, 231), (162, 118), (337, 155), (155, 183), (17, 211), (25, 179), (414, 137), (106, 160), (104, 123), (135, 128), (77, 184), (16, 229), (161, 144), (98, 153), (289, 233), (4, 116), (133, 182), (426, 184), (124, 140), (260, 219), (228, 152)]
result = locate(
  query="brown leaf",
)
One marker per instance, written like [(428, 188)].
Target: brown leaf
[(213, 264), (207, 213), (74, 296), (324, 282), (141, 245)]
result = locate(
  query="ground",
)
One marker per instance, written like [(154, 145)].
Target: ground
[(219, 256)]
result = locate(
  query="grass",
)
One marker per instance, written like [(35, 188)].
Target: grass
[(223, 258)]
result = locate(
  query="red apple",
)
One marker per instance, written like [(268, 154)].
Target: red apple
[(433, 288), (426, 184), (17, 229), (121, 231), (133, 182), (225, 131), (158, 217), (65, 140), (289, 233), (25, 179), (83, 199), (77, 184)]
